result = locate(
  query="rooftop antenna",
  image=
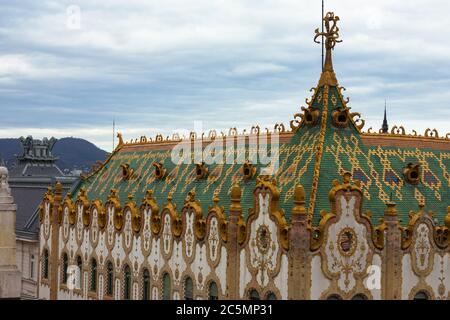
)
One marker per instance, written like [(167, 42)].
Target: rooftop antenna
[(323, 45), (114, 130)]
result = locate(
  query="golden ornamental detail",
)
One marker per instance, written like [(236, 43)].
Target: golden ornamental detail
[(160, 171), (101, 213), (412, 173), (119, 136), (400, 131), (447, 218), (346, 185), (68, 203), (431, 133), (442, 236), (299, 201), (83, 200), (219, 212), (378, 236), (193, 205), (48, 198), (171, 209), (241, 230), (248, 171), (331, 35), (407, 232), (136, 216), (266, 185), (235, 195), (318, 233), (442, 233), (201, 171), (127, 172), (310, 115), (149, 202), (114, 202)]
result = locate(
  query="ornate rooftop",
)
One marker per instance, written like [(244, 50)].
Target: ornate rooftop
[(324, 141)]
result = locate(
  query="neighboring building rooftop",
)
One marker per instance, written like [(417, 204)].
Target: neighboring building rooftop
[(34, 172)]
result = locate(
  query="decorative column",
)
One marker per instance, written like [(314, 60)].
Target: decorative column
[(299, 248), (235, 220), (55, 219), (392, 259), (10, 276)]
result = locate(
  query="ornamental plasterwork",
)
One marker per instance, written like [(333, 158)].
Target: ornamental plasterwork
[(176, 262), (146, 233), (263, 246), (155, 292), (200, 266), (346, 250), (128, 232), (189, 235), (66, 223), (421, 253), (94, 226), (136, 256), (118, 254), (86, 246), (47, 220), (167, 234), (155, 258), (110, 226), (73, 247), (101, 250), (213, 239), (80, 225)]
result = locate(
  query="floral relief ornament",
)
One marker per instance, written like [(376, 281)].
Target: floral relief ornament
[(262, 246)]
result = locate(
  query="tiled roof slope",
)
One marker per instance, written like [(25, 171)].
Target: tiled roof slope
[(379, 168)]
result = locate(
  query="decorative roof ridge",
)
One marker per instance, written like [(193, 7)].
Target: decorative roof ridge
[(400, 132), (279, 128)]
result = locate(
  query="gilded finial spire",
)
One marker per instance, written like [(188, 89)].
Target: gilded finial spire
[(331, 35)]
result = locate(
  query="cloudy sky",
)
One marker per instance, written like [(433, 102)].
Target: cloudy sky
[(156, 66)]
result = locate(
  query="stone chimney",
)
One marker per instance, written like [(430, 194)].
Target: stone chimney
[(10, 276)]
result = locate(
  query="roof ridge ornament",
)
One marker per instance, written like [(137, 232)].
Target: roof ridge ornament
[(331, 35)]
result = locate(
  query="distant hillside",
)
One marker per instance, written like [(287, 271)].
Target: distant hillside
[(73, 153)]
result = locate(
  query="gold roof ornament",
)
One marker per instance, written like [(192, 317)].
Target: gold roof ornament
[(447, 218), (299, 201), (331, 35), (391, 209)]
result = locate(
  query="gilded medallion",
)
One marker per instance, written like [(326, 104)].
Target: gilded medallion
[(347, 242), (263, 240)]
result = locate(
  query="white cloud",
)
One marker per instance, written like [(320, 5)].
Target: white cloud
[(155, 63), (253, 69)]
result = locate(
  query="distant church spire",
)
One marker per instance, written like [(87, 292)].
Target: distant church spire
[(385, 127)]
